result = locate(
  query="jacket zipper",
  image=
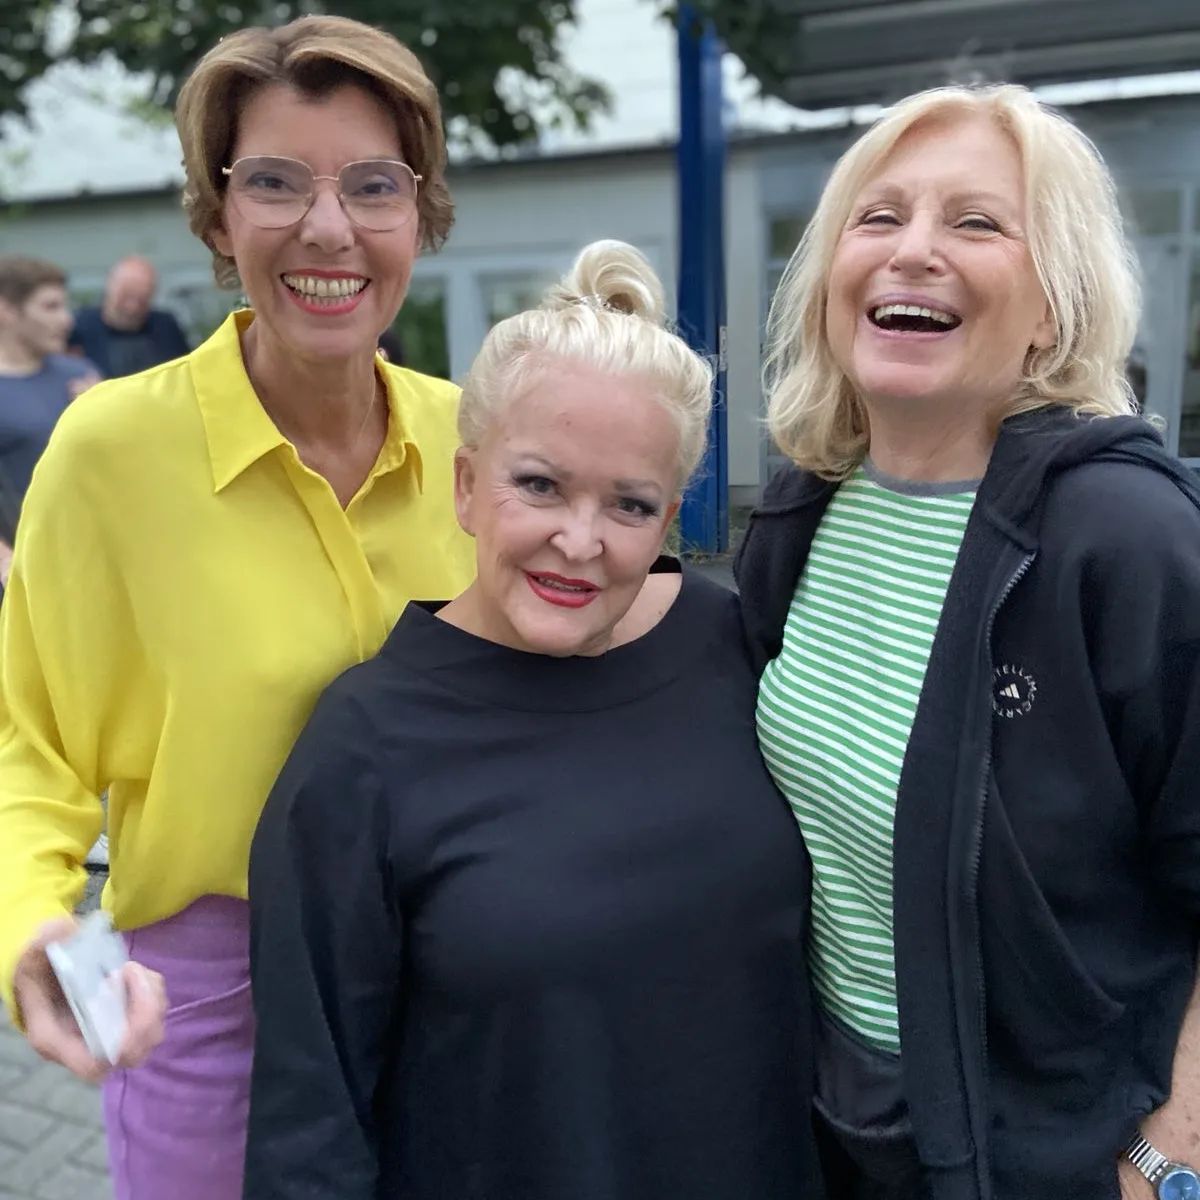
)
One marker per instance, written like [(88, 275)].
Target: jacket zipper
[(977, 832)]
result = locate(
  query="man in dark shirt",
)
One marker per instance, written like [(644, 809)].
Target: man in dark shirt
[(125, 335), (37, 380)]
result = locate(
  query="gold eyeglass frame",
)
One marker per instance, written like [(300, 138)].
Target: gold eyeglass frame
[(312, 195)]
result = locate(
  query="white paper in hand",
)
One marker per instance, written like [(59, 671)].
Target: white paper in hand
[(88, 965)]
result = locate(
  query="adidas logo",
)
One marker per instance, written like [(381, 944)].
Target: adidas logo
[(1013, 691)]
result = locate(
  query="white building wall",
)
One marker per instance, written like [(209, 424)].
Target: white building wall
[(532, 218), (529, 220), (87, 235)]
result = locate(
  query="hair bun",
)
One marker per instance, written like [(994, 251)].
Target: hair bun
[(615, 275)]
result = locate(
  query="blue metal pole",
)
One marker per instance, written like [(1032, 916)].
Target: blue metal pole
[(704, 518)]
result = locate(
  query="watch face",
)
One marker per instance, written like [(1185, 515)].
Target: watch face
[(1179, 1183)]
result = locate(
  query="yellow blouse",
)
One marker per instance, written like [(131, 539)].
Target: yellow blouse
[(182, 590)]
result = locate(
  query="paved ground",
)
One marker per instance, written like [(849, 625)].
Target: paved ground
[(51, 1136), (719, 569)]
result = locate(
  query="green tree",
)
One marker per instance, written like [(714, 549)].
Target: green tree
[(762, 33), (498, 64), (24, 48)]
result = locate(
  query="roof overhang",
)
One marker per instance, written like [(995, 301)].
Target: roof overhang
[(862, 51)]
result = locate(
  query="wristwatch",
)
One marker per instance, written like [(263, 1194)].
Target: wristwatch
[(1170, 1180)]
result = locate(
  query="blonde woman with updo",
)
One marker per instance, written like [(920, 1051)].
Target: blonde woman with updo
[(975, 600), (527, 909)]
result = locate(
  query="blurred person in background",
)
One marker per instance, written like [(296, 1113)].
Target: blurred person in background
[(37, 378), (976, 597), (204, 547), (125, 334), (528, 911)]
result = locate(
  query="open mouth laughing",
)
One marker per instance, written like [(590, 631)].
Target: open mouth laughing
[(913, 318)]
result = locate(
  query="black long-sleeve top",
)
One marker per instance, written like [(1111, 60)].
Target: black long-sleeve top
[(528, 928)]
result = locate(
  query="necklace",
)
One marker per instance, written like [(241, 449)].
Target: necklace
[(370, 410), (298, 442)]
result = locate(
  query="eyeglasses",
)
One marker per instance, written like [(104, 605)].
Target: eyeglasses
[(273, 193)]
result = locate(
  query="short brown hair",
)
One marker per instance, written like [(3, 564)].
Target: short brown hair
[(20, 277), (315, 55)]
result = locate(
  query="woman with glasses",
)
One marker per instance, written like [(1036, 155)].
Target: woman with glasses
[(203, 548)]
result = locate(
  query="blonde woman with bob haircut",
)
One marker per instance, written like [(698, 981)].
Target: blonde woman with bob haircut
[(203, 548), (527, 907), (974, 598)]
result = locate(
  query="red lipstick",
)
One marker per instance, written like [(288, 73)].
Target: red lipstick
[(559, 590)]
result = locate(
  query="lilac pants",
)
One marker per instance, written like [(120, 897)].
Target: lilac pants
[(177, 1124)]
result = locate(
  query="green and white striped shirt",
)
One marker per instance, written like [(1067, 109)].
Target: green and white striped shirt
[(835, 711)]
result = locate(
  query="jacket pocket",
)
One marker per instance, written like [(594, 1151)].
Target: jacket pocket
[(1046, 1014)]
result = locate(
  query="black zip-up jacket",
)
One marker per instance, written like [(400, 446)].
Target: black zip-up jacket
[(1047, 837)]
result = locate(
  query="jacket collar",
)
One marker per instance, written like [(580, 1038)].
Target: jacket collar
[(1030, 449), (1035, 447), (792, 489), (236, 426)]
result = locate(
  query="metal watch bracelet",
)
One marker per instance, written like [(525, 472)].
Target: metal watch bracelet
[(1149, 1161)]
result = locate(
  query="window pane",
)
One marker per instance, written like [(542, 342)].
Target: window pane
[(419, 332), (785, 234), (505, 296), (1152, 211)]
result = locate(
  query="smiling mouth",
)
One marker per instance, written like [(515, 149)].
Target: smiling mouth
[(316, 287), (562, 593), (557, 584), (912, 318)]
